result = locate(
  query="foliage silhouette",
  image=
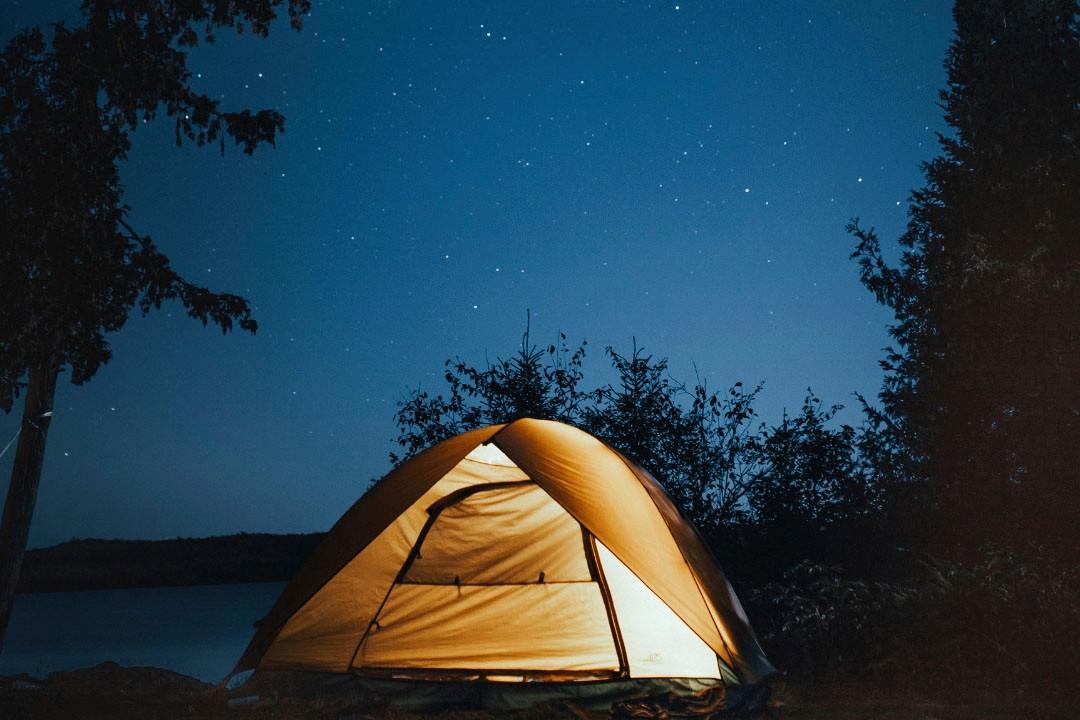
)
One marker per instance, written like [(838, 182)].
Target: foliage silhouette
[(72, 269), (538, 383), (811, 490), (981, 402), (796, 490)]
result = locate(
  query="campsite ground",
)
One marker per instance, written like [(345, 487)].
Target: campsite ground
[(109, 691)]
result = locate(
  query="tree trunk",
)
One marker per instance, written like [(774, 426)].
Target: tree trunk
[(25, 477)]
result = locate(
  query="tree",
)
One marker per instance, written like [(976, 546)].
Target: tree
[(536, 383), (72, 269), (983, 389), (695, 442), (809, 486), (640, 415), (718, 456)]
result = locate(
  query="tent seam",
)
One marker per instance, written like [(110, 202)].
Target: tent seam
[(593, 560)]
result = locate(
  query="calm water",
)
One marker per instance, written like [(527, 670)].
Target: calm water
[(198, 631)]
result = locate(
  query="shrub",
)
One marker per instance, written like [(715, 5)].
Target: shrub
[(1003, 621), (815, 621)]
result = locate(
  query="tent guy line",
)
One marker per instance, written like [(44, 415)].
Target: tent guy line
[(7, 447)]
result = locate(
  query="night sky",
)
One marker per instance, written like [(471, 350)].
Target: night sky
[(676, 172)]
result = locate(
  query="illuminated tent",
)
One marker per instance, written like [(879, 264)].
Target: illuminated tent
[(526, 552)]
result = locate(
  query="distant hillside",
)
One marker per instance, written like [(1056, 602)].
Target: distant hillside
[(100, 564)]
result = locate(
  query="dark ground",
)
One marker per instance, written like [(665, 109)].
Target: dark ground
[(110, 691)]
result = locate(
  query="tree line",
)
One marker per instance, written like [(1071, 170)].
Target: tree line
[(803, 484)]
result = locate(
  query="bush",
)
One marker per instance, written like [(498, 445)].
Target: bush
[(1004, 621), (816, 621), (1006, 618)]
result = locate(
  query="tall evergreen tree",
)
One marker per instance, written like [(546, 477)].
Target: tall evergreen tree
[(983, 390), (71, 268)]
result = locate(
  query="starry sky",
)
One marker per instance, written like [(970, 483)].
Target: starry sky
[(679, 173)]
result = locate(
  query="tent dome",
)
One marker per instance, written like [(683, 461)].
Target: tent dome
[(530, 551)]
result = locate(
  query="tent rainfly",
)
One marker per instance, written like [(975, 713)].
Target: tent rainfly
[(524, 552)]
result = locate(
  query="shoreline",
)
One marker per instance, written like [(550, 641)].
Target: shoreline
[(103, 564)]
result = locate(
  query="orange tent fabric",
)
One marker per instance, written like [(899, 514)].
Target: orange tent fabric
[(526, 551)]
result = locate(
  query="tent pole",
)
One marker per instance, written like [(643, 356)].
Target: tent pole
[(597, 572)]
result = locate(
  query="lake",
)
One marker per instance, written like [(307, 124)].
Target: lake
[(198, 631)]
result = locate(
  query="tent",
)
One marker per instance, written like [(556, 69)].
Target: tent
[(529, 552)]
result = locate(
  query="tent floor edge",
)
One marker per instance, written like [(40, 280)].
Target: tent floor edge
[(433, 695)]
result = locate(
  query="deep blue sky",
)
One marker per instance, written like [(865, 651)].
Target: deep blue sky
[(676, 172)]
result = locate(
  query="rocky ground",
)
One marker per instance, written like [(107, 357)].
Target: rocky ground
[(114, 692)]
